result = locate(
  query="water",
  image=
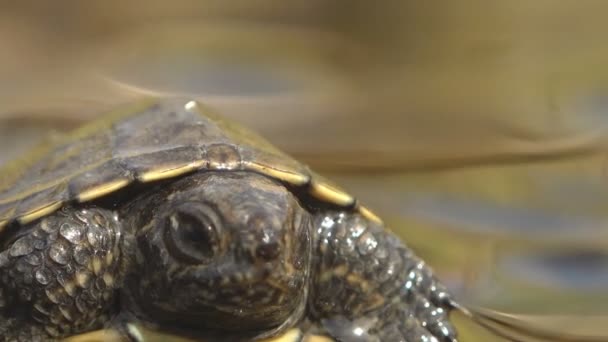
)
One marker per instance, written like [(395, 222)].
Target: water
[(524, 244), (477, 132)]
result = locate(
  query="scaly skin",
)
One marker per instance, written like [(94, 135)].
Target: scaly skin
[(219, 256), (59, 277), (368, 286)]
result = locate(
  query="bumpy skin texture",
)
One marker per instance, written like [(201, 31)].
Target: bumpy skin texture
[(224, 256), (59, 277), (368, 286)]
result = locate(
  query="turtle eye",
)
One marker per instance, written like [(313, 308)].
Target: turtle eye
[(192, 233)]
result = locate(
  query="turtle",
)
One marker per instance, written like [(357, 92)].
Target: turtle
[(164, 215)]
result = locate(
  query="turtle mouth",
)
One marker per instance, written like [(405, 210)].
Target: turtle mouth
[(232, 298), (256, 295), (247, 279)]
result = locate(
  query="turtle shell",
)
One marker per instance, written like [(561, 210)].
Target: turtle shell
[(149, 141)]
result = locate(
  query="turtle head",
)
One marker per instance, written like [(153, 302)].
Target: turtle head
[(223, 250)]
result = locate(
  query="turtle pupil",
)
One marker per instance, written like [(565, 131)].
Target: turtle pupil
[(196, 234)]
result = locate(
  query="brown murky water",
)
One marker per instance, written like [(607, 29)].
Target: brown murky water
[(478, 132)]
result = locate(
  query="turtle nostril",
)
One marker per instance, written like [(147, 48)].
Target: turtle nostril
[(268, 251)]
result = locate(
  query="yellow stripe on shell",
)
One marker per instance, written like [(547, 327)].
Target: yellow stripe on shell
[(102, 190), (293, 178), (39, 212), (169, 171), (368, 214), (328, 193)]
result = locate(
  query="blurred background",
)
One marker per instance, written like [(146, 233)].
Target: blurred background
[(475, 128)]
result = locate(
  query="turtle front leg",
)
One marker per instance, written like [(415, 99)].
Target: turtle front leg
[(58, 275), (368, 286)]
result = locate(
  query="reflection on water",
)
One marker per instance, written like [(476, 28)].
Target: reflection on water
[(498, 107), (569, 270), (526, 241), (523, 246)]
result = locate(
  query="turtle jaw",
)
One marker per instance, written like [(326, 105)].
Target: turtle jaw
[(231, 295), (223, 300)]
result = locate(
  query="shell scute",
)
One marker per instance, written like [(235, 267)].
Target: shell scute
[(164, 164), (41, 203), (99, 181), (151, 141)]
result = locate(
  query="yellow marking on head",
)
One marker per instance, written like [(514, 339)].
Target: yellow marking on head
[(170, 171), (326, 192), (290, 177), (368, 214), (39, 212), (102, 190)]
